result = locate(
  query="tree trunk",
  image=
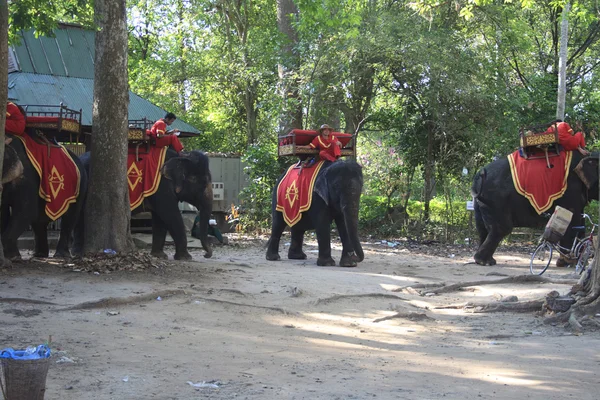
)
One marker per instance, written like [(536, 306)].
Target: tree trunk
[(562, 65), (291, 116), (428, 174), (107, 213), (3, 94)]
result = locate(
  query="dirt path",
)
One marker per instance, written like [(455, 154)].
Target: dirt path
[(252, 329)]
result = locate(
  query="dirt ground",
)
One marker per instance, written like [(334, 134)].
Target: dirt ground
[(241, 327)]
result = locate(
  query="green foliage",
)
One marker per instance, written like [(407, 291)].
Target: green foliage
[(449, 222), (263, 169), (44, 15)]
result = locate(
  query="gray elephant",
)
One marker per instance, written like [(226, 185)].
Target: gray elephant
[(188, 179), (23, 207), (336, 197), (499, 208)]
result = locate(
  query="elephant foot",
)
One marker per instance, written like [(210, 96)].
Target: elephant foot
[(326, 262), (563, 262), (159, 254), (41, 254), (183, 256), (481, 261), (296, 255), (208, 254), (62, 254), (273, 256), (12, 255), (5, 263), (350, 260)]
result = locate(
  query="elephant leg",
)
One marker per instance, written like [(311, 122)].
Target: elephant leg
[(349, 256), (67, 226), (480, 226), (173, 223), (295, 251), (324, 239), (40, 231), (277, 229), (159, 235), (484, 255), (18, 222)]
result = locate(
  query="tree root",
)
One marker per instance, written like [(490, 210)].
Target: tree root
[(123, 301), (413, 316), (520, 307), (419, 286), (350, 296), (233, 303), (23, 300), (512, 279)]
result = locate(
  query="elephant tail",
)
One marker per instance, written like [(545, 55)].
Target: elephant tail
[(478, 183)]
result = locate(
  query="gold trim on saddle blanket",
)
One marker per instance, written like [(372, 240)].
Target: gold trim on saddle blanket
[(529, 196), (53, 174), (133, 171), (293, 193)]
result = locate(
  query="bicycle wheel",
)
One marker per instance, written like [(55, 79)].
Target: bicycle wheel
[(541, 258), (586, 254)]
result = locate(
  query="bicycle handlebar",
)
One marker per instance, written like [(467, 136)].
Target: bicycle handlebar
[(586, 216)]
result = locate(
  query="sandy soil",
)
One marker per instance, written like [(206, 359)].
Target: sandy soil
[(252, 329)]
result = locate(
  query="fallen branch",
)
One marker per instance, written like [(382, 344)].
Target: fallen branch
[(349, 296), (419, 286)]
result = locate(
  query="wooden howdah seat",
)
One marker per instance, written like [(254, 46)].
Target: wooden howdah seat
[(539, 142), (137, 135), (53, 118), (288, 144), (56, 123)]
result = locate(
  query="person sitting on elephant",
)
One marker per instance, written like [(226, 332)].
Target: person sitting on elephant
[(164, 138), (327, 143), (567, 139), (15, 119)]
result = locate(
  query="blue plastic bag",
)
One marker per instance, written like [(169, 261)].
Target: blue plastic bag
[(31, 353)]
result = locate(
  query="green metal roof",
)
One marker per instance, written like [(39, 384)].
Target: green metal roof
[(69, 53), (50, 71)]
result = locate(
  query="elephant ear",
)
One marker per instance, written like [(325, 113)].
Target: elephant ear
[(587, 170), (176, 170)]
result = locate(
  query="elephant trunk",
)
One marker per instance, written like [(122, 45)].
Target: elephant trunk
[(350, 212)]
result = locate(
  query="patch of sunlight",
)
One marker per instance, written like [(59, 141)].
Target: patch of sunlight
[(504, 379)]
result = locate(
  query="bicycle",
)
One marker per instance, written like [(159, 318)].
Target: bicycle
[(582, 250)]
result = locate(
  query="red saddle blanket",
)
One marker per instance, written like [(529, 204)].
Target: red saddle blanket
[(59, 175), (538, 183), (143, 174), (294, 193)]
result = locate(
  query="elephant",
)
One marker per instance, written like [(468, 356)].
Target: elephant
[(499, 208), (23, 207), (336, 197), (188, 179)]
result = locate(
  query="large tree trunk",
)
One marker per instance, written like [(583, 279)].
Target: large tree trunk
[(107, 214), (3, 94), (428, 174), (291, 116), (562, 65)]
